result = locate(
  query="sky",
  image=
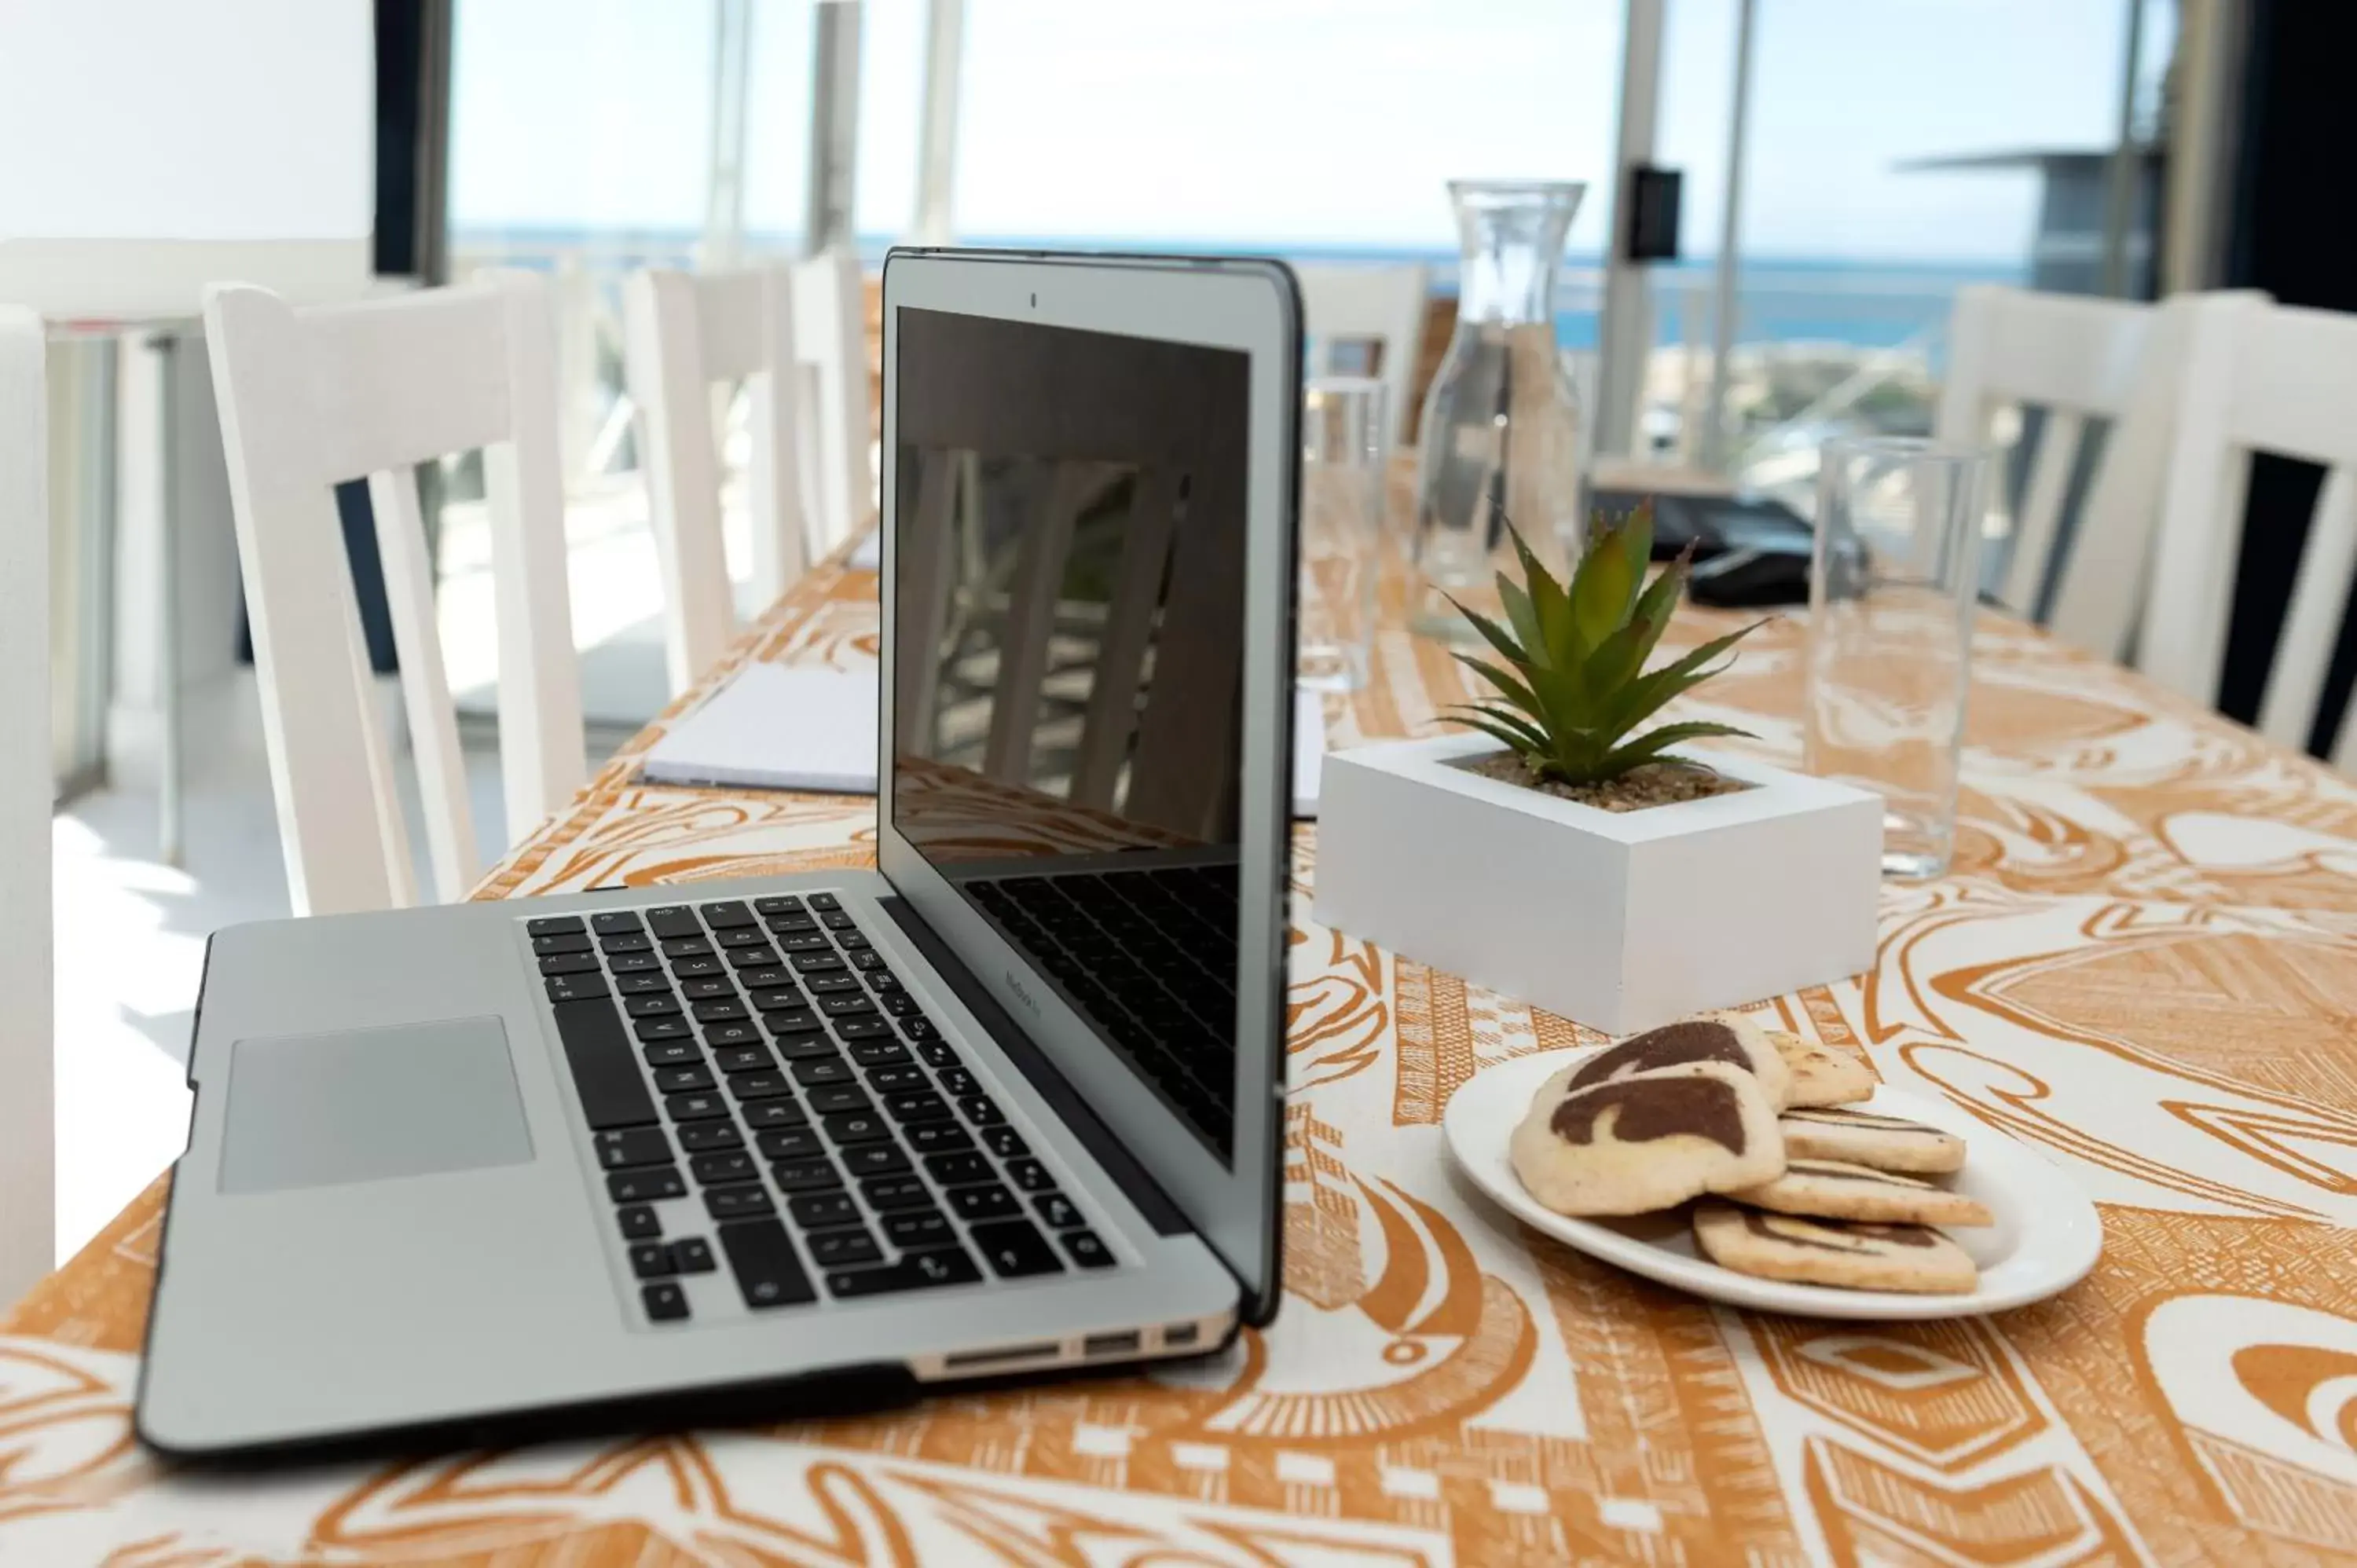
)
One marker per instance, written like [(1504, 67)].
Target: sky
[(1303, 121)]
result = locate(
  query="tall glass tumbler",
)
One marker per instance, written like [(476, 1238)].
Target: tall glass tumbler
[(1892, 593), (1343, 421)]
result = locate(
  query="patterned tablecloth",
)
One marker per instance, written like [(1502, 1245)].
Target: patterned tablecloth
[(2144, 967)]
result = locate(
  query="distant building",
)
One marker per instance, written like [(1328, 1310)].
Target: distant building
[(2066, 255)]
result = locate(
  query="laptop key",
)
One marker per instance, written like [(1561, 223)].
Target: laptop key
[(855, 1006), (570, 941), (982, 1110), (961, 1169), (806, 942), (760, 979), (656, 1005), (957, 1081), (924, 1106), (762, 960), (645, 1186), (743, 1058), (820, 1072), (869, 958), (1058, 1210), (779, 999), (731, 1165), (863, 1028), (691, 968), (1087, 1250), (683, 1080), (759, 1085), (638, 1222), (937, 1137), (840, 1100), (577, 988), (674, 920), (992, 1202), (643, 985), (743, 937), (934, 1054), (817, 1210), (570, 963), (881, 1053), (620, 1151), (614, 922), (737, 1202), (650, 1260), (1015, 1249), (722, 917), (702, 1137), (801, 1021), (634, 964), (666, 1029), (555, 926), (762, 1257), (841, 1249), (875, 1159), (806, 1175), (787, 925), (612, 1093), (790, 1143), (738, 1033), (760, 1114), (813, 1047), (852, 942), (900, 1005), (626, 941), (702, 1107), (825, 901), (815, 963), (778, 903), (897, 1080), (708, 988), (918, 1271), (836, 920), (666, 1303), (912, 1230), (692, 1255), (857, 1127), (887, 1194), (718, 1009), (696, 945), (920, 1030), (818, 984), (1006, 1143)]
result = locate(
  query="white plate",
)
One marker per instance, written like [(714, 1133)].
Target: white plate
[(2046, 1237)]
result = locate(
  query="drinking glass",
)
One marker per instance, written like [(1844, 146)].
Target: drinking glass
[(1342, 425), (1891, 593)]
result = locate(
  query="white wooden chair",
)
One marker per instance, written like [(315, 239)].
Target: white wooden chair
[(1381, 306), (2078, 360), (310, 398), (831, 320), (28, 1198), (2257, 378), (683, 333)]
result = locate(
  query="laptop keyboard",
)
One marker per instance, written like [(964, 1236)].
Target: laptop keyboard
[(762, 1055)]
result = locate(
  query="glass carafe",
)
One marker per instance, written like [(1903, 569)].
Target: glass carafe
[(1502, 421)]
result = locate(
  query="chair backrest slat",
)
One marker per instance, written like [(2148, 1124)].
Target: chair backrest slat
[(831, 301), (1380, 305), (310, 398), (28, 1052), (2257, 378)]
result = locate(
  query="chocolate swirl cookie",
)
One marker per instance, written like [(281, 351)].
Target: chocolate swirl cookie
[(1630, 1145), (1834, 1189), (1831, 1251), (1863, 1138), (1726, 1037)]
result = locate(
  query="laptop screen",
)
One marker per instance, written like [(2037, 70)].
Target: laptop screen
[(1068, 659)]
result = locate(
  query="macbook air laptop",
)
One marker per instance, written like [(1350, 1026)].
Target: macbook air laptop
[(1006, 1104)]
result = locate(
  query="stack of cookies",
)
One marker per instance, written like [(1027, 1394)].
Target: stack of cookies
[(1795, 1185)]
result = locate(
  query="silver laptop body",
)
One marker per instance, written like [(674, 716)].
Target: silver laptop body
[(1010, 1104)]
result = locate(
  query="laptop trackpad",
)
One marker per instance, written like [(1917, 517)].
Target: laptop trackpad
[(370, 1105)]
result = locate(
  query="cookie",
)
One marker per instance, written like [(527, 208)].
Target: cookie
[(1863, 1138), (1728, 1037), (1831, 1189), (1635, 1145), (1833, 1253), (1821, 1075)]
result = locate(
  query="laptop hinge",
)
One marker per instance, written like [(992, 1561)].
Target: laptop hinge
[(1142, 1190)]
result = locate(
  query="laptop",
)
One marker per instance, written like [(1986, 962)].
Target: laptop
[(1008, 1104)]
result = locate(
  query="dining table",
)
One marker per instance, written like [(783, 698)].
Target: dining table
[(2142, 966)]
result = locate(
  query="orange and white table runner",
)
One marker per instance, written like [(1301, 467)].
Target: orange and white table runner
[(2144, 966)]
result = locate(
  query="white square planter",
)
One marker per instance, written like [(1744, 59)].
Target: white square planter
[(1621, 921)]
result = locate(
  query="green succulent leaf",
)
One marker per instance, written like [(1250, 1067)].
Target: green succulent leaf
[(1525, 736), (1497, 731), (1498, 636), (1651, 744), (1600, 593), (1515, 690), (1523, 618), (1559, 643)]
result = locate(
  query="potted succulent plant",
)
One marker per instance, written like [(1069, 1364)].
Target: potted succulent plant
[(1558, 854)]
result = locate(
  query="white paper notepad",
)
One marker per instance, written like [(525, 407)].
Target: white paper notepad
[(782, 726)]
